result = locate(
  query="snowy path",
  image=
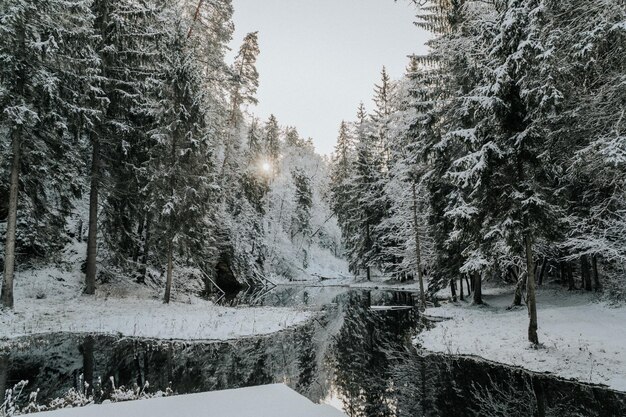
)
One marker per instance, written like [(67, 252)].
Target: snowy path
[(581, 338), (263, 401)]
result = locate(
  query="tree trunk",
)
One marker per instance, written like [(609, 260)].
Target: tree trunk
[(4, 375), (461, 297), (141, 374), (585, 272), (478, 293), (367, 243), (169, 374), (6, 298), (596, 276), (168, 281), (542, 271), (146, 251), (423, 394), (540, 397), (88, 364), (562, 273), (467, 282), (418, 256), (137, 251), (195, 17), (570, 277), (519, 289), (92, 240), (530, 288), (452, 289)]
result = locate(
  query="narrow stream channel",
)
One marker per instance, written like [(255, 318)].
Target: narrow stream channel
[(353, 356)]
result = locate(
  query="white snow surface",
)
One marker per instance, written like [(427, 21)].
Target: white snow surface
[(581, 337), (50, 299), (275, 400)]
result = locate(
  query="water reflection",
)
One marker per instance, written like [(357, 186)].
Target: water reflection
[(362, 356), (360, 360)]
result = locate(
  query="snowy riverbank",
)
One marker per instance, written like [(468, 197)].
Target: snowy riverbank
[(146, 318), (581, 337), (275, 400), (49, 300)]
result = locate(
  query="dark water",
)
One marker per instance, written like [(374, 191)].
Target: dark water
[(350, 355)]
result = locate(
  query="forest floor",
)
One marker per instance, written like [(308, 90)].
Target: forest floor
[(581, 336), (50, 300)]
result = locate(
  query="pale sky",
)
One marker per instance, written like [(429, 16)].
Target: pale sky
[(320, 58)]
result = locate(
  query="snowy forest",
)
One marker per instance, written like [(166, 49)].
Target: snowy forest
[(131, 158), (122, 124), (500, 155)]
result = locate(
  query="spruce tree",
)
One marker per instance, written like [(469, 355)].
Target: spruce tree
[(365, 203), (246, 77), (130, 34), (47, 75), (341, 175), (410, 134), (272, 143), (301, 222), (178, 190), (587, 135)]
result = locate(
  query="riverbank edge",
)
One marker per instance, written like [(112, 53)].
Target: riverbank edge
[(422, 352), (7, 343), (593, 348)]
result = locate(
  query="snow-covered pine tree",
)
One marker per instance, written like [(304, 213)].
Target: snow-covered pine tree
[(301, 220), (387, 257), (506, 185), (254, 140), (246, 77), (463, 32), (211, 27), (586, 43), (383, 101), (130, 34), (47, 75), (445, 71), (272, 143), (341, 176), (292, 137), (410, 133), (244, 85), (250, 206), (242, 181), (255, 178), (366, 203), (178, 192)]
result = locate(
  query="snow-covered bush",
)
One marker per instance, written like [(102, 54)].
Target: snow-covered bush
[(12, 396), (13, 405)]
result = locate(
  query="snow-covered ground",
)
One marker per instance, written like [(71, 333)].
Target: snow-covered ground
[(50, 299), (581, 337), (263, 401)]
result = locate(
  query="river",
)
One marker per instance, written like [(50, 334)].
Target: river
[(356, 354)]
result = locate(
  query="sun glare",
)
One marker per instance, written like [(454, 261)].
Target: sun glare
[(266, 166)]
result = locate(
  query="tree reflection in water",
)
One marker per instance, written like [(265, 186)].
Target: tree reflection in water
[(364, 356)]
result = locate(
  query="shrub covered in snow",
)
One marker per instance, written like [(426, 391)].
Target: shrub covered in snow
[(16, 403)]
